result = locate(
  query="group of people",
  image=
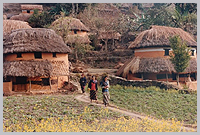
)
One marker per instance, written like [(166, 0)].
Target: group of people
[(93, 87)]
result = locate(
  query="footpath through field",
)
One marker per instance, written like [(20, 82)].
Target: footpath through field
[(85, 98)]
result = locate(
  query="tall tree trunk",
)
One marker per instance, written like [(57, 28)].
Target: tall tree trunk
[(73, 9), (76, 8)]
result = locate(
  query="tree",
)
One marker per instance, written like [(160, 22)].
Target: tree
[(40, 20), (180, 55)]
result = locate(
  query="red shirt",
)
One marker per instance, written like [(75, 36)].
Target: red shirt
[(93, 86)]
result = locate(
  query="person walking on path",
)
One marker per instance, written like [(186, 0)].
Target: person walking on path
[(93, 89), (83, 82), (105, 90)]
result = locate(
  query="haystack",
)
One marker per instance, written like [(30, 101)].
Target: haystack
[(158, 36), (21, 17), (153, 65), (9, 25), (34, 40)]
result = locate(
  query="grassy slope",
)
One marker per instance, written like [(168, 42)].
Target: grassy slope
[(155, 102)]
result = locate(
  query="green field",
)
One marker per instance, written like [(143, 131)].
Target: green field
[(63, 113), (45, 106), (155, 102)]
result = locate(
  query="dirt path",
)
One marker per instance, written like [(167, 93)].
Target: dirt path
[(85, 98)]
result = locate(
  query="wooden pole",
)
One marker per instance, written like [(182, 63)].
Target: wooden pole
[(30, 85), (142, 76), (167, 77), (50, 82), (57, 83)]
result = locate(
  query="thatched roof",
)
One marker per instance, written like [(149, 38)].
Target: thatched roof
[(158, 36), (34, 40), (31, 7), (9, 25), (21, 17), (69, 23), (35, 68), (70, 39), (152, 65), (109, 35)]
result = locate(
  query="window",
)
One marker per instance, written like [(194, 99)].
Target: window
[(28, 11), (45, 82), (38, 55), (75, 31), (192, 52), (54, 54), (19, 55), (166, 52)]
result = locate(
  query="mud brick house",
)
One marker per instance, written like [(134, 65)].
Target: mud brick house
[(151, 56), (35, 59)]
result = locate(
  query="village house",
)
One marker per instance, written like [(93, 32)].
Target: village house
[(151, 56), (29, 9), (35, 60), (71, 29)]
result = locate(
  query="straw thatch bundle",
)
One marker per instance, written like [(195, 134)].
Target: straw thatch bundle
[(109, 35), (68, 23), (158, 36), (35, 68), (9, 25), (152, 65), (31, 7), (34, 40), (21, 17)]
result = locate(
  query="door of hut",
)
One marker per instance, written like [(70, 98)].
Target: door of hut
[(21, 83)]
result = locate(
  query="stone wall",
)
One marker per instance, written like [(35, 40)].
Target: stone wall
[(143, 83)]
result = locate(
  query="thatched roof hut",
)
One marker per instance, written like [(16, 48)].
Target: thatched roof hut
[(31, 7), (109, 35), (152, 65), (69, 23), (34, 40), (35, 68), (62, 26), (158, 36), (9, 25), (21, 17)]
